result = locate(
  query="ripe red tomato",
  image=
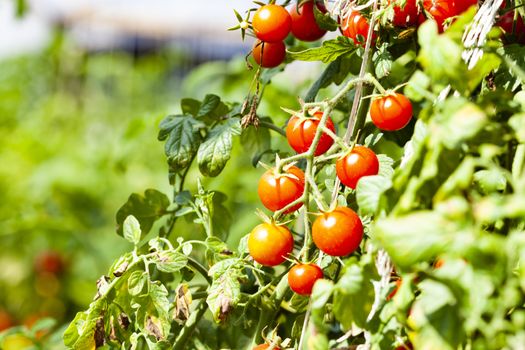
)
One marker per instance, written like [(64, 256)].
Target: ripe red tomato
[(276, 191), (5, 320), (302, 278), (300, 133), (392, 112), (264, 347), (304, 26), (271, 23), (360, 162), (269, 244), (339, 232), (513, 31), (405, 16), (50, 262), (440, 10), (269, 55), (354, 25)]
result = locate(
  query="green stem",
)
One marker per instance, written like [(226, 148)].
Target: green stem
[(199, 268), (189, 327), (273, 127)]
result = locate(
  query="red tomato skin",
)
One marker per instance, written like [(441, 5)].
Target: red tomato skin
[(269, 55), (276, 191), (362, 161), (506, 22), (304, 26), (270, 244), (301, 132), (339, 232), (264, 347), (440, 10), (391, 112), (355, 24), (271, 23), (405, 16), (302, 278)]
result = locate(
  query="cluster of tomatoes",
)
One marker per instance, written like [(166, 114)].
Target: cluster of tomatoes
[(272, 24), (337, 232)]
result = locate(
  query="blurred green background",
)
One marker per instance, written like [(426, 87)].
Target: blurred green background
[(78, 136)]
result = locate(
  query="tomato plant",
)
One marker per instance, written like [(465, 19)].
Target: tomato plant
[(449, 187), (392, 112), (304, 25), (302, 278), (276, 190), (271, 23), (360, 162), (301, 132)]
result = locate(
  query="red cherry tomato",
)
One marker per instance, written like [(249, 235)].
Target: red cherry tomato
[(355, 26), (300, 133), (392, 112), (271, 23), (339, 232), (50, 262), (405, 16), (514, 30), (276, 191), (440, 10), (270, 244), (302, 278), (304, 26), (269, 55), (264, 347), (362, 161)]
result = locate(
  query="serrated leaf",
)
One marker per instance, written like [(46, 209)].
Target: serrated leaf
[(182, 136), (383, 61), (132, 230), (225, 291), (170, 261), (215, 151), (145, 208), (328, 52)]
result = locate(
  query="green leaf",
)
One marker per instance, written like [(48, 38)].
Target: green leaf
[(182, 135), (132, 229), (212, 108), (328, 52), (321, 293), (225, 291), (170, 261), (383, 61), (80, 334), (517, 122), (136, 282), (417, 237), (490, 181), (215, 151), (369, 193), (146, 209), (190, 106), (324, 20)]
